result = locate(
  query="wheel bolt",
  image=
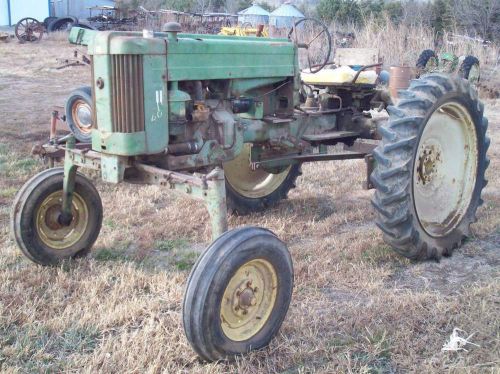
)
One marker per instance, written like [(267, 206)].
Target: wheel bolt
[(245, 312)]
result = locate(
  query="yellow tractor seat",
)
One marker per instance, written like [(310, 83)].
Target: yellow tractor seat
[(340, 75)]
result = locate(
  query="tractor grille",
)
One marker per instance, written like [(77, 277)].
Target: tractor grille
[(127, 89)]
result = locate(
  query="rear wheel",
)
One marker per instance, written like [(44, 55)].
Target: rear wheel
[(255, 190), (427, 62), (238, 294), (35, 219), (79, 114), (469, 69), (430, 167), (62, 24)]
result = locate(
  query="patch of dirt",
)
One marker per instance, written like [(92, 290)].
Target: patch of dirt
[(474, 263)]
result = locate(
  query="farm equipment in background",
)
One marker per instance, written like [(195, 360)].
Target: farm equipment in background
[(29, 30), (229, 121), (107, 18), (466, 67), (245, 30)]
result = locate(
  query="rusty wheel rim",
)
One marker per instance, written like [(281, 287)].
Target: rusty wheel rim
[(445, 169), (29, 30), (248, 300), (82, 116), (50, 231)]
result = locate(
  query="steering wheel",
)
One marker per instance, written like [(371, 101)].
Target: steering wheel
[(313, 68)]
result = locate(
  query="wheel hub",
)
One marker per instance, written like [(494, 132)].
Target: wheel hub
[(248, 300), (52, 231), (82, 116), (428, 163)]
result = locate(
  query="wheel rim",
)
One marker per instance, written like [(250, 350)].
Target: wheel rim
[(445, 169), (82, 116), (26, 30), (474, 74), (431, 65), (252, 183), (248, 300), (52, 233)]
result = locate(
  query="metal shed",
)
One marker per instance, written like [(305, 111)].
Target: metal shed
[(285, 16), (11, 11), (76, 8), (255, 15)]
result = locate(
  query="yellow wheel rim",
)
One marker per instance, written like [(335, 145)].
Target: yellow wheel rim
[(445, 169), (53, 234), (248, 300), (251, 183)]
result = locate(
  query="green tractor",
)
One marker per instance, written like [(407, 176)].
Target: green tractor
[(467, 67), (229, 121)]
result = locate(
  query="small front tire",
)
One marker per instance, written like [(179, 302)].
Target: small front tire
[(238, 294), (35, 222)]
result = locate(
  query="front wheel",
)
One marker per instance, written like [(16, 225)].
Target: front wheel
[(238, 294), (35, 219), (430, 167)]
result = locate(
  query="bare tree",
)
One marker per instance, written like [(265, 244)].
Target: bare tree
[(203, 6), (481, 17), (416, 12)]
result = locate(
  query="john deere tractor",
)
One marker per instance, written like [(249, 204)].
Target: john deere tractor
[(230, 120), (467, 67)]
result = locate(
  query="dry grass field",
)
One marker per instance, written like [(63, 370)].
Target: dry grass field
[(357, 307)]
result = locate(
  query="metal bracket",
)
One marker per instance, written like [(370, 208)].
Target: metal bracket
[(68, 183), (370, 166)]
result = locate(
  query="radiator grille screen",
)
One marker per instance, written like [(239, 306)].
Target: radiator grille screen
[(127, 88)]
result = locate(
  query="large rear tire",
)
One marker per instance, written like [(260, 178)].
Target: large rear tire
[(250, 191), (427, 62), (430, 167), (469, 69)]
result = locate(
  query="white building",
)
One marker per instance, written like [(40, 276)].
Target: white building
[(11, 11)]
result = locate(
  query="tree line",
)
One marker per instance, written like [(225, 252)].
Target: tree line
[(480, 18)]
